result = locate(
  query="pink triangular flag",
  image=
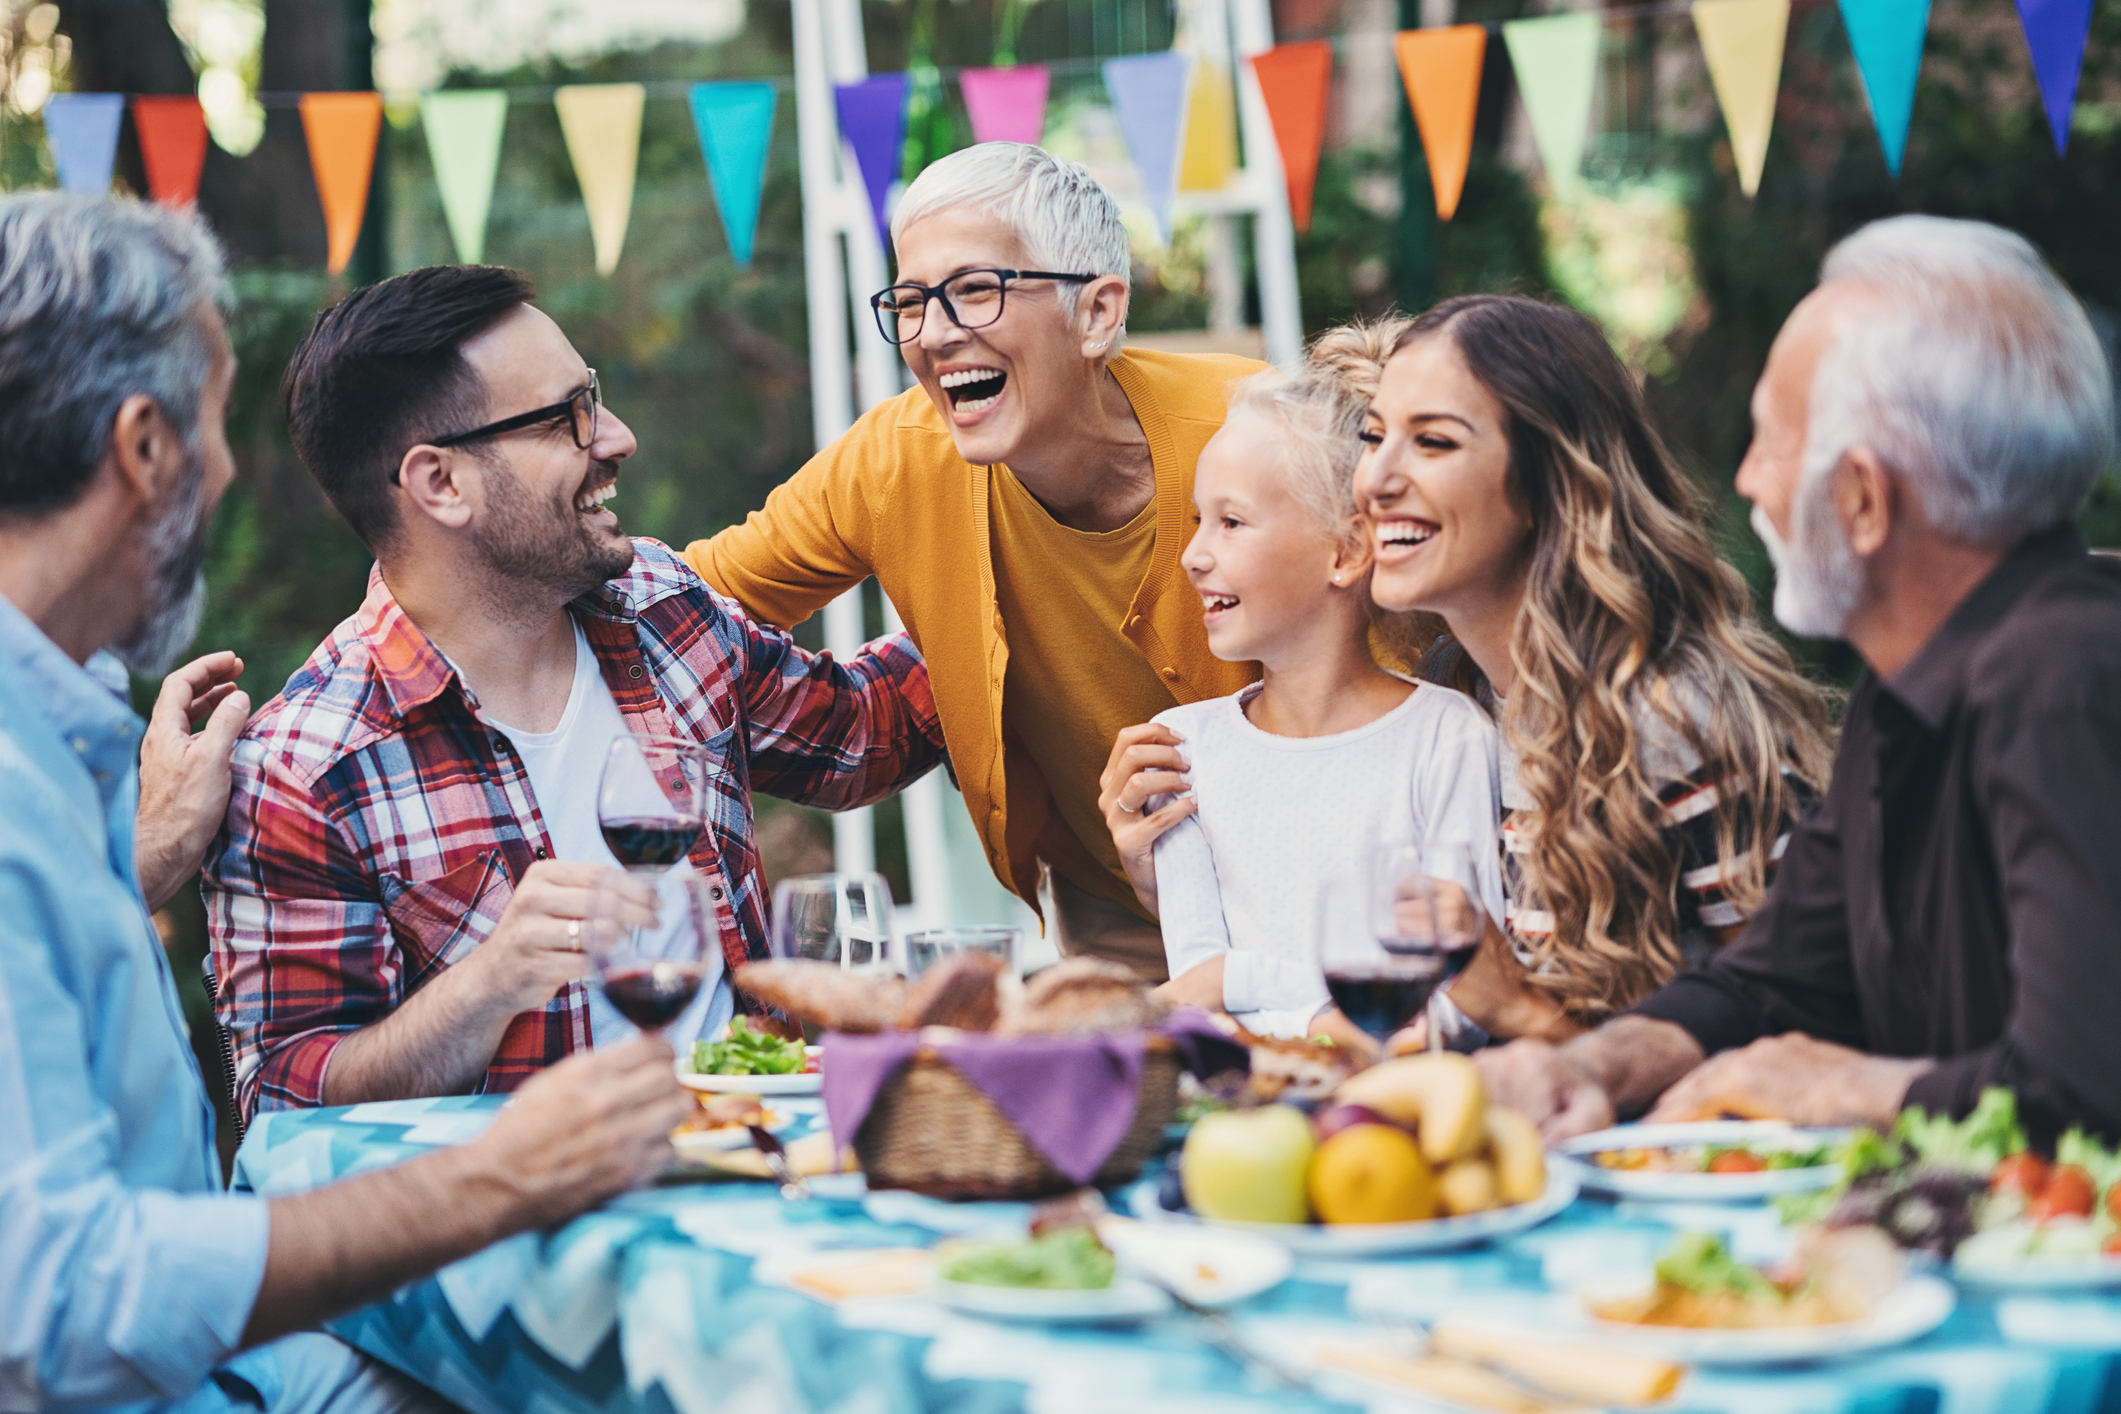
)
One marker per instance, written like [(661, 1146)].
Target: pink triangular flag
[(1006, 105)]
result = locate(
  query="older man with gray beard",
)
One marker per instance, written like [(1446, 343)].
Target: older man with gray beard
[(1948, 918)]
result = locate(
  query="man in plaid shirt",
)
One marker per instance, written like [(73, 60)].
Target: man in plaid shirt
[(396, 898)]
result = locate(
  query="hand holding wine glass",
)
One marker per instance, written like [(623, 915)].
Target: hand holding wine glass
[(650, 966)]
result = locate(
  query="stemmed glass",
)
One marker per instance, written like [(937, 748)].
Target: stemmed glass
[(839, 918), (648, 957), (1423, 927), (652, 800)]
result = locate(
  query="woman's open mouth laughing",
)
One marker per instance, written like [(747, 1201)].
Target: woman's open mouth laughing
[(973, 390)]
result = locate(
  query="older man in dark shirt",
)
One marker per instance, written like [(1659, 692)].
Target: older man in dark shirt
[(1948, 917)]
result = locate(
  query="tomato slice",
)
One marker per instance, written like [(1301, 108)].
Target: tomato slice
[(1736, 1161), (2025, 1173), (2069, 1193)]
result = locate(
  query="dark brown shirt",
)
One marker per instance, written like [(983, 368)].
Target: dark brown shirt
[(1956, 892)]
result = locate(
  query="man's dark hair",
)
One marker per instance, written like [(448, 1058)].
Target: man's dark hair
[(383, 370)]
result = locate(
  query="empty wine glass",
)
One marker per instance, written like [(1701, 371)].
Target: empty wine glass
[(929, 946), (650, 965), (652, 800), (841, 918), (1425, 912)]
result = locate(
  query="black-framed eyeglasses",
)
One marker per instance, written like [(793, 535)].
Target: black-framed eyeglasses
[(971, 299), (580, 408)]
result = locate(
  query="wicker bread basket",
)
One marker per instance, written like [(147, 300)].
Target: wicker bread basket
[(935, 1132)]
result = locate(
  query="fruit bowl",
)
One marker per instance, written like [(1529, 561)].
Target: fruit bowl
[(1385, 1239)]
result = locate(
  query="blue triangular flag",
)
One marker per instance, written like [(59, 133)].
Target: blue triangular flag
[(1887, 37), (873, 120), (1149, 95), (735, 124), (2055, 31), (83, 131)]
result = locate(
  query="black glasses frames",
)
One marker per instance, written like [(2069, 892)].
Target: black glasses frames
[(580, 408), (971, 299)]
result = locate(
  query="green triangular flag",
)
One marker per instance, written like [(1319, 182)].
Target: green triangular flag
[(1556, 58), (464, 139)]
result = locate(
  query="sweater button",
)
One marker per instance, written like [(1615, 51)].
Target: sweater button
[(1171, 674)]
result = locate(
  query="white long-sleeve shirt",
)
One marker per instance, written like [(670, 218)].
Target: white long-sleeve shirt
[(1286, 829)]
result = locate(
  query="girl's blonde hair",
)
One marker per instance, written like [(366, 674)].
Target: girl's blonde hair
[(1629, 616), (1319, 415)]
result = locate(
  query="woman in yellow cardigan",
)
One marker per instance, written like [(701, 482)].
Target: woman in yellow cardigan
[(1025, 508)]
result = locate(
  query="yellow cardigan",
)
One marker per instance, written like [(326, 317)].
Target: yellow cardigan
[(892, 498)]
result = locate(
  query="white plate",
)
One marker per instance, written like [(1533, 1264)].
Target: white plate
[(1207, 1266), (801, 1083), (1127, 1299), (733, 1136), (1701, 1187), (2042, 1274), (1388, 1239), (1913, 1309)]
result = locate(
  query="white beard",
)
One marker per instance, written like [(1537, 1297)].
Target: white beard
[(176, 591), (1818, 575)]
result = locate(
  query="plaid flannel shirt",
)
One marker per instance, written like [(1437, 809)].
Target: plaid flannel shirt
[(378, 822)]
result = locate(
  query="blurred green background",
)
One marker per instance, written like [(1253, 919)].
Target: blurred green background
[(708, 361)]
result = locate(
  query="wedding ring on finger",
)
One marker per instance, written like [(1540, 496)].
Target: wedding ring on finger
[(574, 934)]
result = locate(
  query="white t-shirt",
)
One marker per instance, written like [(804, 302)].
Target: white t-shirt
[(565, 765), (1284, 820)]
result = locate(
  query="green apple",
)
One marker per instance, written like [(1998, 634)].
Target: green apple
[(1249, 1165)]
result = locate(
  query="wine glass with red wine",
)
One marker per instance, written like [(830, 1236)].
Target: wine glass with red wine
[(1424, 923), (652, 800), (647, 944)]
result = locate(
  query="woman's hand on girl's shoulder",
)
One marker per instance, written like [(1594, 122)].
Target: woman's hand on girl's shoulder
[(1146, 762)]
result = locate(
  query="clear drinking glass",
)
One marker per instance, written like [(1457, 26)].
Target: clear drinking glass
[(649, 967), (652, 800), (842, 918), (929, 946), (1425, 913)]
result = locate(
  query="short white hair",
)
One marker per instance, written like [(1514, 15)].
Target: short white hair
[(1064, 220), (1981, 380)]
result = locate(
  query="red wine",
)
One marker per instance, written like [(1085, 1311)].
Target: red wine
[(1382, 996), (656, 841), (652, 995)]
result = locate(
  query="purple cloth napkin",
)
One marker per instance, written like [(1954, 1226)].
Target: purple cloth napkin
[(1072, 1096)]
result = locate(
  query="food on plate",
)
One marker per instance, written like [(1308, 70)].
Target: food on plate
[(1249, 1165), (1332, 1119), (1746, 1156), (1284, 1068), (747, 1052), (1067, 1259), (1512, 1370), (711, 1112), (1080, 996), (1467, 1186), (825, 994), (962, 990), (1438, 1095), (1836, 1276), (1371, 1173), (1519, 1153), (888, 1271)]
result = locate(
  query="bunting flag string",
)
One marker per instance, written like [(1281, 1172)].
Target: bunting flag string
[(463, 128), (735, 126), (602, 125), (1149, 97), (1556, 58), (1886, 36), (1007, 105), (342, 129), (2055, 31), (172, 133), (1209, 153), (1742, 41), (1295, 80), (83, 131), (873, 121), (1441, 71)]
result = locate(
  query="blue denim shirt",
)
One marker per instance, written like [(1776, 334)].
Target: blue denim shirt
[(126, 1275)]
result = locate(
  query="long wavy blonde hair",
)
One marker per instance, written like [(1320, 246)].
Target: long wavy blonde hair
[(1629, 615)]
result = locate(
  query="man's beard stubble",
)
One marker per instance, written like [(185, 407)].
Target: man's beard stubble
[(528, 544), (176, 581)]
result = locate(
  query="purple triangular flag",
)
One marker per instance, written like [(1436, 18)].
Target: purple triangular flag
[(873, 121), (2055, 31), (83, 131), (1006, 105), (1149, 94)]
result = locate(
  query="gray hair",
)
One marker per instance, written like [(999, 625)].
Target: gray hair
[(1982, 380), (100, 299), (1064, 220)]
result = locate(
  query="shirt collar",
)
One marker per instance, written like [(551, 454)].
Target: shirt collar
[(1934, 680), (82, 709)]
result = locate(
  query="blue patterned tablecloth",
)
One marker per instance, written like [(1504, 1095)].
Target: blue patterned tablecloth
[(669, 1301)]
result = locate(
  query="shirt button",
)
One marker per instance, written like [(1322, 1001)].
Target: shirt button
[(634, 672), (80, 745), (543, 853), (716, 893)]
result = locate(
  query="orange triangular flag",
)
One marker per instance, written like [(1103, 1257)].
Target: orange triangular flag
[(1441, 69), (1294, 79), (342, 129), (172, 133)]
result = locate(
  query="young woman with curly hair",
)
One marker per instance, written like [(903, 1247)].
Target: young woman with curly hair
[(1656, 741)]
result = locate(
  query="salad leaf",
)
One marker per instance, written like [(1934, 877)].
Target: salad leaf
[(1976, 1144), (2103, 1164), (1071, 1259), (1699, 1261), (747, 1052)]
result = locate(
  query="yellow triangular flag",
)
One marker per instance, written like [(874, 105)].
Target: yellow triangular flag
[(1742, 40), (1210, 152), (602, 122)]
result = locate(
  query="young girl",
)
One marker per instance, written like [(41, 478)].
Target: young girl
[(1298, 778)]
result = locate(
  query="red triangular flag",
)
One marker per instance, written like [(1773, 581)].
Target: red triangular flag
[(172, 133), (1294, 79)]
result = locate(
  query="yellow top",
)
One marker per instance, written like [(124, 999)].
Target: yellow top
[(893, 498), (1068, 591)]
